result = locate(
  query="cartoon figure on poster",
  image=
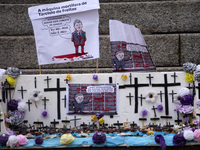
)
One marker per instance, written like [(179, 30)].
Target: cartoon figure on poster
[(78, 36), (119, 61), (78, 103)]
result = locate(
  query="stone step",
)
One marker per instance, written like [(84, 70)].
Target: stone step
[(152, 17), (169, 50), (57, 1)]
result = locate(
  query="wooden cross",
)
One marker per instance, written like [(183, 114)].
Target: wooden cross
[(150, 77), (22, 92), (66, 81), (161, 95), (45, 101), (75, 120), (29, 103), (130, 98), (174, 75), (154, 110), (66, 121), (58, 89), (172, 93), (118, 124), (166, 85), (47, 79), (54, 122), (134, 125), (64, 101), (38, 122), (141, 98), (130, 78)]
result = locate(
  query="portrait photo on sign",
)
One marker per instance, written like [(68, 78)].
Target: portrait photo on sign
[(92, 98)]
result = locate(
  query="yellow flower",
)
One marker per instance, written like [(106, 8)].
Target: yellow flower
[(66, 139), (150, 132), (10, 80), (189, 77), (101, 120), (68, 77), (94, 118), (124, 77)]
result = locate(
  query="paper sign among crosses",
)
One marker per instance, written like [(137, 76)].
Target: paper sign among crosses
[(92, 98), (128, 49)]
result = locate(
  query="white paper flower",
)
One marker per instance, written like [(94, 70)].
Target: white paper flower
[(22, 107), (188, 135), (151, 97), (177, 99), (12, 141), (183, 91), (35, 95), (177, 128)]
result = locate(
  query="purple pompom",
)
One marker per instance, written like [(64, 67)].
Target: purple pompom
[(99, 115), (12, 105), (99, 138), (187, 100), (3, 139), (39, 140), (95, 77), (160, 107), (44, 113), (144, 112), (179, 140)]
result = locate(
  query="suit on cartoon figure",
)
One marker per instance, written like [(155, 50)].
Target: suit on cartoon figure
[(78, 103), (119, 60), (78, 36)]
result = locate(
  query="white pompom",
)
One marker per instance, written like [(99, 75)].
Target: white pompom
[(184, 91), (12, 141), (188, 135), (22, 107)]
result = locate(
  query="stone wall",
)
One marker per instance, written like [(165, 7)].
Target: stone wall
[(171, 30)]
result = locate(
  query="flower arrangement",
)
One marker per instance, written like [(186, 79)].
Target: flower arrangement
[(151, 97), (35, 96), (66, 139), (99, 118), (68, 77)]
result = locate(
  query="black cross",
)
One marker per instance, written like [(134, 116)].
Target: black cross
[(130, 98), (66, 81), (150, 77), (174, 75), (136, 86), (64, 101), (29, 103), (75, 120), (83, 125), (111, 127), (154, 110), (130, 78), (22, 92), (58, 89), (93, 125), (45, 102), (9, 88), (178, 118), (104, 125), (169, 125), (133, 124), (172, 93), (54, 122), (161, 95), (35, 82), (38, 122), (141, 98), (65, 121), (118, 124), (3, 92), (166, 85), (198, 87), (47, 79)]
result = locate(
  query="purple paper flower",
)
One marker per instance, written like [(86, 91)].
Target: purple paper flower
[(144, 112), (7, 120), (13, 104), (95, 77), (44, 113), (99, 138), (187, 100), (195, 122), (186, 109), (99, 115), (159, 139), (10, 132), (17, 113), (3, 139), (179, 140), (38, 140), (160, 107)]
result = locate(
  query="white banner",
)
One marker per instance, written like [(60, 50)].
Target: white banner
[(66, 32)]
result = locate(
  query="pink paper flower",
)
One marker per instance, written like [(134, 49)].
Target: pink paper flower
[(197, 135), (22, 140)]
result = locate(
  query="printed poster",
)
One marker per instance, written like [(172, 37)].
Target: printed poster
[(66, 32), (128, 49), (92, 98)]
